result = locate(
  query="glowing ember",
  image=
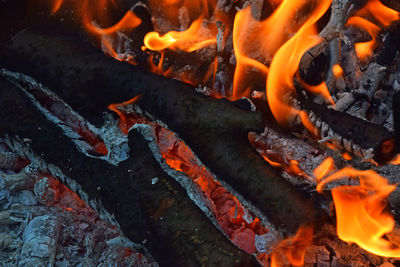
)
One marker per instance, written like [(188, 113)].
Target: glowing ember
[(236, 222), (272, 49), (337, 70)]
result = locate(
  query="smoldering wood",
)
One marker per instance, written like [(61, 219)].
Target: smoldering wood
[(174, 229), (396, 119), (90, 81), (215, 129), (355, 135)]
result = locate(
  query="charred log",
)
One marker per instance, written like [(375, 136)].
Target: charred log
[(215, 129), (355, 135), (160, 214), (89, 82)]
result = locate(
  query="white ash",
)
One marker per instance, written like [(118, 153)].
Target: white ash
[(284, 149), (114, 140), (345, 100), (193, 191), (265, 242), (34, 234)]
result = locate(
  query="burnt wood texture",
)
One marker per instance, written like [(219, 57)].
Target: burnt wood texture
[(176, 231), (215, 129)]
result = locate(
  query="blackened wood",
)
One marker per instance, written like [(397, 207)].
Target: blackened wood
[(363, 133), (232, 159), (390, 46), (176, 231), (215, 129), (396, 118), (90, 81)]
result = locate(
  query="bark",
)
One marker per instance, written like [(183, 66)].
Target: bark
[(215, 129), (175, 231), (355, 135)]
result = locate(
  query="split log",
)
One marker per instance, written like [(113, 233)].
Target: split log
[(215, 129), (175, 231), (363, 138)]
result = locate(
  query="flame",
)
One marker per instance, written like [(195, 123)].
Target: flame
[(233, 218), (124, 123), (189, 40), (337, 71), (293, 248), (243, 20), (382, 14), (346, 156), (284, 65), (271, 162), (195, 37), (129, 21), (56, 6), (308, 124), (360, 211), (365, 50), (373, 10), (324, 168), (395, 160)]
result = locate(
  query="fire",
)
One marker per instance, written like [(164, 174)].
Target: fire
[(293, 249), (95, 13), (284, 65), (324, 168), (233, 218), (337, 70), (365, 50), (196, 36), (241, 37), (373, 10), (360, 211), (189, 40), (128, 22)]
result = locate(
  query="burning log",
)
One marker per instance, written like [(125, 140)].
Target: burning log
[(94, 84), (358, 136), (147, 211), (215, 129)]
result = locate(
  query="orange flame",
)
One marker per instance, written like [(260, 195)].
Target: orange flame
[(376, 11), (56, 6), (360, 211), (365, 50), (285, 63), (197, 36), (129, 21), (293, 248), (243, 21), (324, 168), (189, 40), (337, 70), (124, 123), (396, 160)]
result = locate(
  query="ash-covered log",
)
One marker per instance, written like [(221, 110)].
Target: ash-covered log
[(355, 135), (159, 214), (215, 129)]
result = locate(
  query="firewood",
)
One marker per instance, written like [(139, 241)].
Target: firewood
[(361, 137), (160, 215), (90, 81), (215, 129)]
